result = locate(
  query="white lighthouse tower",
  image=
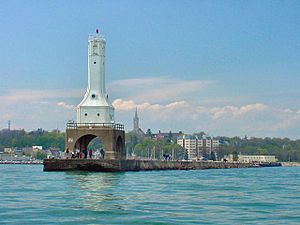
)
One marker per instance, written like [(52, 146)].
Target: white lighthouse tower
[(95, 106)]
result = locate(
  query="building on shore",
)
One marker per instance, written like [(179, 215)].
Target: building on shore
[(199, 146), (166, 136), (251, 158), (8, 151), (189, 143), (136, 127)]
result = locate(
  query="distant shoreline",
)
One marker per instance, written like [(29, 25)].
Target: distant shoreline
[(289, 164), (284, 164), (21, 162)]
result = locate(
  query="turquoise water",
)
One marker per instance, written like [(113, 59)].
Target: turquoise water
[(232, 196)]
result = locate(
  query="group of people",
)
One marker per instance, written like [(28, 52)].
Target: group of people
[(167, 157), (84, 154)]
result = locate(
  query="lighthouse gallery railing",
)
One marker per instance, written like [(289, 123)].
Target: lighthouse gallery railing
[(116, 126)]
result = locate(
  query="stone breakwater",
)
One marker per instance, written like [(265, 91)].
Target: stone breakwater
[(99, 165), (290, 163)]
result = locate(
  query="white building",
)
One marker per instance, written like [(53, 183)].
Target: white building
[(207, 145), (37, 148), (8, 150), (95, 106), (198, 146), (252, 158)]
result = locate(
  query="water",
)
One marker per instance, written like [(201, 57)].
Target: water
[(232, 196)]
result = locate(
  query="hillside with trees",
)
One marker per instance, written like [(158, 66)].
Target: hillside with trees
[(284, 149), (147, 147), (40, 137)]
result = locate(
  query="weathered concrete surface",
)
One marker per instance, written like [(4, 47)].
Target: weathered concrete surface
[(109, 165), (290, 163)]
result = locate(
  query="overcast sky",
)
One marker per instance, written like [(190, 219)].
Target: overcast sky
[(223, 67)]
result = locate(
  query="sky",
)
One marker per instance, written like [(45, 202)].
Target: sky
[(223, 67)]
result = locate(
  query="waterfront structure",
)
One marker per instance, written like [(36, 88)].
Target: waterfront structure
[(95, 114), (8, 151), (199, 145), (207, 146), (139, 165), (166, 136), (95, 106), (37, 148), (252, 158), (189, 143)]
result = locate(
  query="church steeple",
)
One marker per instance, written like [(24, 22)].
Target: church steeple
[(136, 122)]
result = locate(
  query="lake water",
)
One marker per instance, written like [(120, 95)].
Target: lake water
[(230, 196)]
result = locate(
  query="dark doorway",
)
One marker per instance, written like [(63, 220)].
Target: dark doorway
[(120, 145)]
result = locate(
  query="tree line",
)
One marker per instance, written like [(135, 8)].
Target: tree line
[(147, 147), (39, 137), (284, 149)]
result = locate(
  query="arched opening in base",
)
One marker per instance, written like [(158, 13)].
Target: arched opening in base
[(96, 148), (82, 139), (89, 146)]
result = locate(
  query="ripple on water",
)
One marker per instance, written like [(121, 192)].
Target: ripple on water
[(233, 196)]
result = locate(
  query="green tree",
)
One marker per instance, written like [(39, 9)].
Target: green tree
[(213, 156), (131, 140), (170, 137), (262, 151), (149, 133), (41, 155), (21, 138), (235, 156)]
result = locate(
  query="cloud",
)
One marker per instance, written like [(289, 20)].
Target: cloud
[(163, 103), (158, 89), (128, 105), (256, 119), (66, 106), (121, 105), (25, 95), (139, 81), (219, 112), (34, 108), (286, 123), (195, 111)]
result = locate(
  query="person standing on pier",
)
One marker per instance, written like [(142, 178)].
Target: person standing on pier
[(102, 152), (85, 152), (91, 153)]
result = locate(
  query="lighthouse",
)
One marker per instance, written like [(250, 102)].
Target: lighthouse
[(95, 106), (95, 114)]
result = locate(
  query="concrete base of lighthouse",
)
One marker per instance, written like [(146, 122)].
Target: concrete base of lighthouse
[(112, 136)]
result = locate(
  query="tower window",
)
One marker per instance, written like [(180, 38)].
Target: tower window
[(98, 114), (85, 114), (94, 62), (93, 95)]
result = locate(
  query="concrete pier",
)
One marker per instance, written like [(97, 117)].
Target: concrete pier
[(113, 165)]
